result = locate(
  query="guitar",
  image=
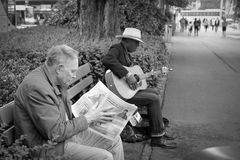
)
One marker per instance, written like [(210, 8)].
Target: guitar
[(120, 86)]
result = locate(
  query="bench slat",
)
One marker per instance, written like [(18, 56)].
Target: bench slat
[(73, 91), (6, 113), (9, 135)]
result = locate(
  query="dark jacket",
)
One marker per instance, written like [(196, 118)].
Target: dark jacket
[(116, 57), (41, 110)]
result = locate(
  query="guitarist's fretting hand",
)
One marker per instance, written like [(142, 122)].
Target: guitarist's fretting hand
[(131, 81)]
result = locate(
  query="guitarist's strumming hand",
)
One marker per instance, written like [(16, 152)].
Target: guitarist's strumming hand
[(131, 81)]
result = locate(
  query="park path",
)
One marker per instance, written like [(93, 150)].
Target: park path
[(202, 97)]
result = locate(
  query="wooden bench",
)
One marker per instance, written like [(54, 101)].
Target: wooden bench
[(78, 85)]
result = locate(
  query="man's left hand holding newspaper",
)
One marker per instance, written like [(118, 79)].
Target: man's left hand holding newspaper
[(98, 114)]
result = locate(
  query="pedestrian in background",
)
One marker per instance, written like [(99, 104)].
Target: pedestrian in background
[(196, 25), (205, 23), (217, 23), (212, 23), (186, 23), (182, 24), (190, 28), (199, 24), (224, 27)]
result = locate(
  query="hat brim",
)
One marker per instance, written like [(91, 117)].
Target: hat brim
[(130, 37)]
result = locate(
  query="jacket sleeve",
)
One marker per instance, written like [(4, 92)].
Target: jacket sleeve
[(48, 118), (111, 61)]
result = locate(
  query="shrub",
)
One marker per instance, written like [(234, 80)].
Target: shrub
[(20, 56), (18, 150)]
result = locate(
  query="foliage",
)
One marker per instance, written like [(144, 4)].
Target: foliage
[(66, 14), (178, 3), (237, 10), (145, 16), (140, 14), (18, 58), (18, 150)]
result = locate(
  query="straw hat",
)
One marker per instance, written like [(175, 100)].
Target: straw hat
[(131, 33)]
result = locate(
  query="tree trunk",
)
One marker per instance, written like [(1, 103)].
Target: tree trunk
[(98, 18), (162, 5)]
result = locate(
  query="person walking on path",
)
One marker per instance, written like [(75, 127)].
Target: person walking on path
[(196, 26), (186, 23), (212, 23), (224, 27), (118, 56), (216, 24), (190, 28), (199, 24), (182, 24), (205, 23)]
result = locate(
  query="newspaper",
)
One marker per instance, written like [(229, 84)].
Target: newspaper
[(108, 100)]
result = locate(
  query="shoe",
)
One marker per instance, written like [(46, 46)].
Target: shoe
[(135, 138), (167, 136), (129, 135), (160, 142)]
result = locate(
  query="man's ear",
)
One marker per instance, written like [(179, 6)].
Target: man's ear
[(59, 68)]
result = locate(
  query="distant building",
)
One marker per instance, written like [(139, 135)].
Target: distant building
[(17, 12), (35, 2), (210, 7), (33, 11)]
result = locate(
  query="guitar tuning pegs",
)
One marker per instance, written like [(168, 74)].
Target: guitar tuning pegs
[(165, 69)]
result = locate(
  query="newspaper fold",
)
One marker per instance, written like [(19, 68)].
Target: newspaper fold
[(112, 103)]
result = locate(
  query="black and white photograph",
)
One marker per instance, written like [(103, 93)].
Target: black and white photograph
[(120, 79)]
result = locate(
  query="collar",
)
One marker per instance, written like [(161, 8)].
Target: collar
[(50, 80), (124, 48)]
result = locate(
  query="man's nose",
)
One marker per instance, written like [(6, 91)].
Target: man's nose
[(74, 75)]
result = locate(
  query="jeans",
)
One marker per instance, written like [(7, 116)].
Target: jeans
[(150, 98), (87, 145)]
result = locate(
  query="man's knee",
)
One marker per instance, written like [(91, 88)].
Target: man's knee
[(105, 155), (100, 155), (156, 99)]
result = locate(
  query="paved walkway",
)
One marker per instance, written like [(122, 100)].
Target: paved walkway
[(202, 95)]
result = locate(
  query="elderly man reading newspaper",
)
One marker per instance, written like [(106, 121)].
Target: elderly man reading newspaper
[(43, 112)]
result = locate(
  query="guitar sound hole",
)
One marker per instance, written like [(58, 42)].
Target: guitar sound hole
[(137, 77)]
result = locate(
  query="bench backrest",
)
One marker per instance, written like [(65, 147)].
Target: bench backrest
[(81, 82)]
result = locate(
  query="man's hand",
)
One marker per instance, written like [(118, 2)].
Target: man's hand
[(132, 82), (99, 115)]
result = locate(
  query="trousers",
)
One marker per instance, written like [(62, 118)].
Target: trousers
[(88, 145), (150, 98)]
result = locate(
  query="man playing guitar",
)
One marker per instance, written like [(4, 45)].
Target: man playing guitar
[(119, 56)]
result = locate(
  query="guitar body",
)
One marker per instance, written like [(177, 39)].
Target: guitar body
[(120, 86)]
